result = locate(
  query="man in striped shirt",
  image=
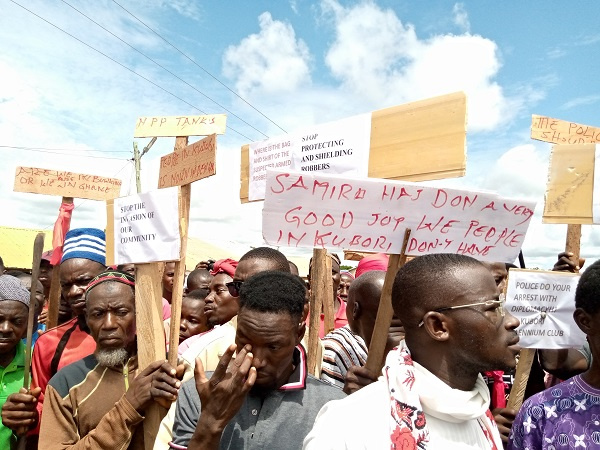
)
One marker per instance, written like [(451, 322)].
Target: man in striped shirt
[(347, 346)]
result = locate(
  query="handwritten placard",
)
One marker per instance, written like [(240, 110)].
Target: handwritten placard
[(66, 184), (329, 211), (165, 126), (544, 303), (194, 162), (340, 147), (559, 131), (146, 227)]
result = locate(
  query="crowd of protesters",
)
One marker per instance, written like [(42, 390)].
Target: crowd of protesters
[(242, 379)]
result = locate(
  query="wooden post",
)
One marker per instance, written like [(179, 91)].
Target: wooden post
[(318, 291), (54, 296), (38, 248), (385, 312), (184, 217), (517, 393), (329, 299)]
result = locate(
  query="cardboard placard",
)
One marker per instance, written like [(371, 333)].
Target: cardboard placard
[(569, 192), (329, 211), (418, 141), (66, 184), (192, 163), (146, 227), (172, 126), (340, 147), (558, 131), (544, 302)]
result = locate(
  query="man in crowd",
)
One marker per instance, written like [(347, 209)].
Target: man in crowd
[(347, 346), (211, 346), (83, 258), (193, 319), (198, 279), (346, 279), (263, 398), (167, 281), (98, 402), (568, 415), (14, 308), (431, 393), (26, 280)]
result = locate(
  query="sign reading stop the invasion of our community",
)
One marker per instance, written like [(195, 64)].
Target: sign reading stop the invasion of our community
[(328, 211), (544, 302), (340, 147), (146, 227)]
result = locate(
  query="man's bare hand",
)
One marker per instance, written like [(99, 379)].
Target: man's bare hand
[(158, 382), (565, 263), (504, 418), (357, 378), (223, 395), (19, 412)]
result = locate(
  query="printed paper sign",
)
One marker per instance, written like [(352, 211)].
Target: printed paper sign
[(544, 302), (558, 131), (171, 126), (66, 184), (146, 227), (340, 147), (371, 215), (194, 162)]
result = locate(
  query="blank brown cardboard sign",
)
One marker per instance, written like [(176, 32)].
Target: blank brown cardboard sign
[(418, 141), (558, 131), (570, 185), (65, 184), (172, 126)]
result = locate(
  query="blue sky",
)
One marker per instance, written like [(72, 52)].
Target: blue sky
[(299, 63)]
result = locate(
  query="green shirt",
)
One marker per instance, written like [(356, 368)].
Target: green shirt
[(11, 380)]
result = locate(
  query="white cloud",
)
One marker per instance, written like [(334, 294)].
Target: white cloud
[(556, 52), (461, 17), (384, 61), (581, 101), (272, 61)]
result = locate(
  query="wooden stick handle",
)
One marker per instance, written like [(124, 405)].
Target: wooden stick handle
[(385, 312), (38, 248), (318, 291)]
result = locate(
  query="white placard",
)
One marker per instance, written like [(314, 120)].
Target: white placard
[(596, 191), (340, 147), (544, 302), (146, 227), (330, 211)]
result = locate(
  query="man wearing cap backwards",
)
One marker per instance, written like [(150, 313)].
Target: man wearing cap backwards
[(83, 258), (98, 402), (14, 308)]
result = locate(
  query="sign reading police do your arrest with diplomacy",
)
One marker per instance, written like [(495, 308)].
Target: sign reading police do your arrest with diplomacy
[(544, 302)]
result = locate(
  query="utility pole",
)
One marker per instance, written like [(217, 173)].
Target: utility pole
[(137, 159)]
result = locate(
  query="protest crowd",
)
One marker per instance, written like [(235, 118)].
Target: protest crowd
[(242, 379)]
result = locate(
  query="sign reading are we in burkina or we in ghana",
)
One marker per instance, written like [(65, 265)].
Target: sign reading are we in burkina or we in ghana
[(66, 184), (328, 211)]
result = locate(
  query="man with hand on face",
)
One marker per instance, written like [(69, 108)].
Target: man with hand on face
[(14, 309), (431, 393), (263, 398), (99, 402)]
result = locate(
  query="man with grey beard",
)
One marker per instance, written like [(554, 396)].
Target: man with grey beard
[(99, 402)]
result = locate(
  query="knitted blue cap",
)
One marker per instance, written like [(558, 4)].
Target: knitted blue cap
[(87, 243)]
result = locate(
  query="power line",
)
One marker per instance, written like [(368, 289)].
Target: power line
[(198, 65), (120, 64), (164, 68), (7, 147), (65, 149)]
